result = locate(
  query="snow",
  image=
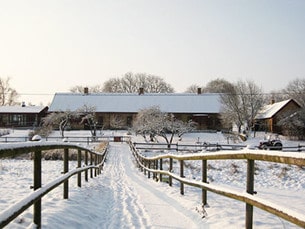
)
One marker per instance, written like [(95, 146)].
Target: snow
[(271, 109), (21, 109), (123, 197), (132, 103)]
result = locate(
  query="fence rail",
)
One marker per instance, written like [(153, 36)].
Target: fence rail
[(154, 165), (92, 160), (80, 139), (207, 146), (187, 147)]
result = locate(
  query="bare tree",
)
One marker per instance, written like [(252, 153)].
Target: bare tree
[(113, 85), (231, 113), (8, 95), (152, 122), (218, 86), (215, 86), (242, 103), (130, 83), (296, 91), (192, 89), (92, 89), (276, 96)]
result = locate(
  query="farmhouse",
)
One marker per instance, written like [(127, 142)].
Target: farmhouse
[(21, 116), (123, 107), (269, 116)]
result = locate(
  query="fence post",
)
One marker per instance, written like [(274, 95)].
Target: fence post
[(79, 165), (91, 163), (161, 168), (170, 179), (66, 169), (181, 175), (155, 167), (95, 163), (145, 165), (86, 163), (250, 190), (204, 179), (37, 185), (149, 168), (99, 162), (140, 161)]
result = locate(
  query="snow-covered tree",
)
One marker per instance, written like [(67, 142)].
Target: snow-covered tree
[(88, 117), (116, 122), (84, 115), (145, 122), (152, 122), (60, 119)]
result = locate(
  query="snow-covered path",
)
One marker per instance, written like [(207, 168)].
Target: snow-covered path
[(121, 197)]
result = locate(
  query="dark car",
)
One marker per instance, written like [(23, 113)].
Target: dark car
[(272, 144)]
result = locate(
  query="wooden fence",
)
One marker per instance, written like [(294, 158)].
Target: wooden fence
[(93, 163), (154, 165), (80, 139), (206, 146), (187, 147)]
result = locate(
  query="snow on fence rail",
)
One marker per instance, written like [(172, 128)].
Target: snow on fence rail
[(155, 165), (88, 139), (206, 146), (187, 147), (96, 160)]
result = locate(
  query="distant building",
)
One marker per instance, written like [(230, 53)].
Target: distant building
[(21, 116), (269, 116), (201, 108)]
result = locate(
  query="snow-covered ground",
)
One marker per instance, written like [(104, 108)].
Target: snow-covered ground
[(122, 197)]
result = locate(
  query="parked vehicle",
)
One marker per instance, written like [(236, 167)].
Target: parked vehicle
[(271, 144)]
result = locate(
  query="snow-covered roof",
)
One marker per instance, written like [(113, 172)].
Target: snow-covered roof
[(21, 109), (132, 103), (270, 110)]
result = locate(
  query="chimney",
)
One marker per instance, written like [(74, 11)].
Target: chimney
[(86, 90), (141, 91), (199, 91)]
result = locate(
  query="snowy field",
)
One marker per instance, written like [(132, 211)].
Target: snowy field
[(122, 197)]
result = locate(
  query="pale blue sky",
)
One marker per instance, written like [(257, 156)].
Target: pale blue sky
[(48, 46)]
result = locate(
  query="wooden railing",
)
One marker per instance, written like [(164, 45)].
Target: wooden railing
[(93, 163), (154, 165), (71, 139), (187, 147), (207, 146)]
